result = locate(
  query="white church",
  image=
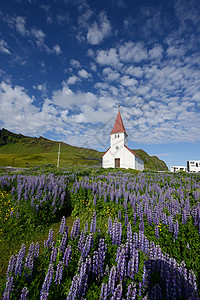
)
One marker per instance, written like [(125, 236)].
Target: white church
[(119, 155)]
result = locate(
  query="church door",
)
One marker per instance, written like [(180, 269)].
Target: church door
[(117, 162)]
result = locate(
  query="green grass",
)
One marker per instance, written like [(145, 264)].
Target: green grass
[(30, 160)]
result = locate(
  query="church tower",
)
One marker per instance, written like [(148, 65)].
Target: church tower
[(118, 136)]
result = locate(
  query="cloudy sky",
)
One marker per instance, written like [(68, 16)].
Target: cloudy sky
[(66, 65)]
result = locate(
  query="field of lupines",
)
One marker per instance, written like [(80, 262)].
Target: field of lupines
[(134, 236)]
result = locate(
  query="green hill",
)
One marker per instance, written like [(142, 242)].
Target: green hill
[(151, 162), (23, 151)]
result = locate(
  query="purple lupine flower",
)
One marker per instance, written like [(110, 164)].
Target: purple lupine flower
[(47, 283), (104, 291), (136, 261), (37, 250), (135, 239), (141, 240), (30, 260), (48, 243), (74, 288), (62, 225), (140, 289), (63, 242), (131, 292), (170, 223), (54, 252), (131, 268), (129, 234), (121, 264), (75, 228), (102, 254), (85, 269), (81, 241), (67, 255), (116, 233), (88, 245), (117, 293), (192, 279), (19, 262), (119, 215), (106, 271), (144, 277), (11, 265), (24, 294), (59, 273), (93, 223), (111, 281), (141, 225), (95, 266), (8, 289)]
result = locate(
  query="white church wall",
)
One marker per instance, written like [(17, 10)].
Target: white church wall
[(127, 159), (139, 164), (118, 139), (108, 160)]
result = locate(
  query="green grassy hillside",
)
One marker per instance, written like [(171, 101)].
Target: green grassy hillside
[(151, 162), (22, 151)]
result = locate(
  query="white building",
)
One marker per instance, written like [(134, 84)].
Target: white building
[(178, 168), (119, 155), (193, 166)]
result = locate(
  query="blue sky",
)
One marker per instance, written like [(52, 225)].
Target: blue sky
[(66, 65)]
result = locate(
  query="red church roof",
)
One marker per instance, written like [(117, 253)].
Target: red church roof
[(118, 126)]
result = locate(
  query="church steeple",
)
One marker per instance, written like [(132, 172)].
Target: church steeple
[(118, 135), (118, 126)]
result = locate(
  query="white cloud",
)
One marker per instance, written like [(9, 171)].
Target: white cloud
[(57, 49), (108, 57), (66, 98), (98, 31), (73, 79), (111, 75), (127, 81), (84, 74), (135, 71), (4, 47), (39, 35), (156, 52), (20, 25), (75, 63), (196, 97), (90, 53), (134, 52)]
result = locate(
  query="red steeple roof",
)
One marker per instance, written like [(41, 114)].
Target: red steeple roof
[(118, 126)]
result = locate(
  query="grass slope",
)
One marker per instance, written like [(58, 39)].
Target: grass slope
[(22, 151), (151, 162)]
